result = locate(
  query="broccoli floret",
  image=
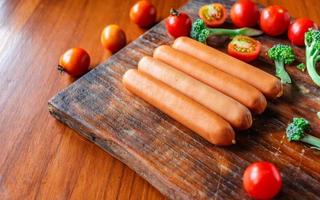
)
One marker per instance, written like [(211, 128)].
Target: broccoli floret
[(312, 42), (298, 130), (196, 28), (301, 67), (203, 35), (282, 55), (200, 32)]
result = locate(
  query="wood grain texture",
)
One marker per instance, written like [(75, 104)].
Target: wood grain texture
[(99, 108), (42, 158)]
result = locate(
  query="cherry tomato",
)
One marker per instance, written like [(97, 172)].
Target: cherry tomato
[(113, 38), (143, 13), (244, 13), (178, 24), (75, 62), (297, 30), (274, 20), (213, 14), (262, 180), (244, 48)]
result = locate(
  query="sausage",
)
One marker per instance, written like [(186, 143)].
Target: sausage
[(269, 85), (232, 111), (225, 83), (181, 108)]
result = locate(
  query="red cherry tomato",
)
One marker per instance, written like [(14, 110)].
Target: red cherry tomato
[(178, 24), (143, 13), (113, 38), (297, 30), (274, 20), (213, 14), (244, 13), (262, 180), (244, 48), (75, 62)]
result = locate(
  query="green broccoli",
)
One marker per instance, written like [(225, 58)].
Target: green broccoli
[(312, 42), (297, 131), (200, 32), (282, 54), (301, 67)]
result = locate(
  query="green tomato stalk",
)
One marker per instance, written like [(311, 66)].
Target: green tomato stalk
[(281, 55), (297, 131), (200, 32), (312, 42), (301, 67)]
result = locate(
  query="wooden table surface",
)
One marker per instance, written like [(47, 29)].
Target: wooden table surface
[(40, 157)]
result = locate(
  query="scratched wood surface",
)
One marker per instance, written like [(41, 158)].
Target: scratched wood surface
[(180, 164), (42, 158)]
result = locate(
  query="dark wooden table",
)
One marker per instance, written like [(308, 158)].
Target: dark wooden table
[(40, 157)]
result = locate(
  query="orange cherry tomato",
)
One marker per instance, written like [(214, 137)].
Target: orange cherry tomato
[(143, 13), (213, 14), (244, 48), (113, 38), (75, 62)]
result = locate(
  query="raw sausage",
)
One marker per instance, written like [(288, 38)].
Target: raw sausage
[(232, 111), (181, 108), (225, 83), (269, 85)]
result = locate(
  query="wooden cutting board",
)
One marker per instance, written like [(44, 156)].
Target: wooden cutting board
[(176, 161)]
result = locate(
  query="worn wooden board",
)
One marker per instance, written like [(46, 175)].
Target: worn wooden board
[(172, 158)]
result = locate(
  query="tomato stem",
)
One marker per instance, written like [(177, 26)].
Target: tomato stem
[(174, 12), (60, 68)]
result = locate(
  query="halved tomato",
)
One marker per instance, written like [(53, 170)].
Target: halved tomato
[(213, 14), (244, 48)]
